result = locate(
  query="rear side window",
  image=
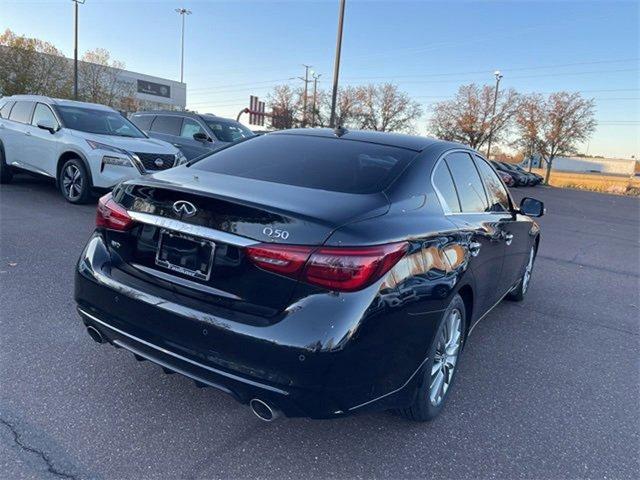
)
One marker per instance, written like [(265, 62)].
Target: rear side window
[(332, 164), (6, 108), (143, 122), (169, 125), (467, 182), (444, 184), (21, 112), (497, 194)]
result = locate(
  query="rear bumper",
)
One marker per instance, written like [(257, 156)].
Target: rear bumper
[(330, 355)]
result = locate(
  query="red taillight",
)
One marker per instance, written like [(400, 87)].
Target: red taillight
[(336, 268), (111, 215), (285, 259)]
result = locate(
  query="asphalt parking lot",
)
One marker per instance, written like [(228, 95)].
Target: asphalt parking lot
[(547, 388)]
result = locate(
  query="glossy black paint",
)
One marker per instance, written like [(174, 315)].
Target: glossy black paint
[(309, 351)]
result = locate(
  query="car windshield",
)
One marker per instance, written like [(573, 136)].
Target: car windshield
[(228, 130), (311, 162), (102, 122)]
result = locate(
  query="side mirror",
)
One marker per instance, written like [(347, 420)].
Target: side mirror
[(200, 137), (48, 125), (532, 207)]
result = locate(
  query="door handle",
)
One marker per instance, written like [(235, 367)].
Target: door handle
[(28, 134), (474, 248), (176, 145), (508, 238)]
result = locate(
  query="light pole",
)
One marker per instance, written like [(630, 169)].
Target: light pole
[(336, 65), (75, 49), (493, 115), (183, 12), (315, 92)]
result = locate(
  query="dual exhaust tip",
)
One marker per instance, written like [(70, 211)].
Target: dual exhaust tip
[(260, 408)]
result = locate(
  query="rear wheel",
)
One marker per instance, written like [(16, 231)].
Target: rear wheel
[(74, 182), (518, 293), (440, 369), (6, 174)]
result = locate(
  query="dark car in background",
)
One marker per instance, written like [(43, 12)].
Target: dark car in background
[(311, 272), (530, 178), (519, 179), (194, 134)]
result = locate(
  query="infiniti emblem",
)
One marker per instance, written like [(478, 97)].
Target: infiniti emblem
[(184, 208), (159, 162)]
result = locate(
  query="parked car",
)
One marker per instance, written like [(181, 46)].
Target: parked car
[(311, 272), (506, 178), (192, 133), (518, 178), (513, 169), (81, 145), (537, 179)]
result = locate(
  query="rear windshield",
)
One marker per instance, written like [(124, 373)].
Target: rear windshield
[(333, 164), (103, 122)]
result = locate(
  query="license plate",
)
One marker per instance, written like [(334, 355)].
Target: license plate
[(184, 254)]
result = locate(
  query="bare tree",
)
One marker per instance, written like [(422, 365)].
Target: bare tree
[(348, 107), (286, 106), (528, 121), (29, 65), (568, 121), (468, 119), (385, 108), (99, 79)]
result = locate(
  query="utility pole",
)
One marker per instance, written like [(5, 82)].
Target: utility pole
[(493, 115), (75, 49), (315, 92), (183, 12), (336, 66), (306, 90)]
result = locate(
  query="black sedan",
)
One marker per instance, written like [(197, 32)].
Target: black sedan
[(316, 273)]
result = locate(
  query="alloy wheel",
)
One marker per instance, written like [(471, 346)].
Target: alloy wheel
[(446, 356), (72, 182)]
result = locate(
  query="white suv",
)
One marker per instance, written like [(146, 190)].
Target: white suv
[(81, 145)]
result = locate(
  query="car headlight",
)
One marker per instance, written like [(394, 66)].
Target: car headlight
[(180, 159), (119, 161)]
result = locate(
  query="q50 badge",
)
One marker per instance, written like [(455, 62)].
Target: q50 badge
[(275, 233)]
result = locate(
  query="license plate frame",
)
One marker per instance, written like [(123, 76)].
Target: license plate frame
[(162, 261)]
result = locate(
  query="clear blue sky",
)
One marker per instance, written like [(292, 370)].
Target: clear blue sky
[(235, 48)]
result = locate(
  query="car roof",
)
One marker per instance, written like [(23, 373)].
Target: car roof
[(58, 101), (410, 142), (209, 116)]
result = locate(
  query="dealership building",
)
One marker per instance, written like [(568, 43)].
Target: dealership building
[(154, 93)]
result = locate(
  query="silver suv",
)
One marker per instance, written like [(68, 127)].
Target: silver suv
[(81, 145)]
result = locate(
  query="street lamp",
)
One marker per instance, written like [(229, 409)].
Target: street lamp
[(75, 49), (336, 65), (183, 12), (498, 76)]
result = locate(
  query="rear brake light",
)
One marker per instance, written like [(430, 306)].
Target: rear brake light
[(285, 259), (111, 215), (336, 268)]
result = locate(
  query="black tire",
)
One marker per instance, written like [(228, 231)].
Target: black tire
[(423, 408), (74, 181), (6, 173), (518, 293)]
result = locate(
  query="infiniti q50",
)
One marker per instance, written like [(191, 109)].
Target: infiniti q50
[(313, 273)]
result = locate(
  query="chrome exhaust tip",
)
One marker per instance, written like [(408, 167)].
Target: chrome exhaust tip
[(95, 334), (263, 410)]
